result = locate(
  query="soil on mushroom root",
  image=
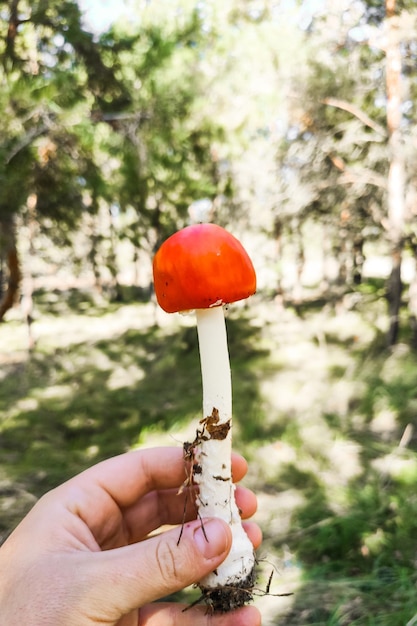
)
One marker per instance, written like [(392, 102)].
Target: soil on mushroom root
[(227, 598)]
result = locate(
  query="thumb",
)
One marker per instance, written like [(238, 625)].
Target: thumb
[(135, 575)]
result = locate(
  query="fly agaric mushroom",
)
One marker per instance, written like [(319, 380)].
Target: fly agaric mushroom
[(203, 267)]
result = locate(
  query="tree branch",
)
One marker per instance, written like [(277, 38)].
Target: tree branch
[(356, 112), (352, 176), (25, 141)]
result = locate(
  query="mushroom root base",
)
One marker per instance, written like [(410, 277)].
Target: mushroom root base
[(223, 599)]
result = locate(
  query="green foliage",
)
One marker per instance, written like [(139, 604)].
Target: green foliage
[(164, 145), (280, 121), (90, 399), (355, 540), (331, 150), (46, 144), (115, 120), (104, 379)]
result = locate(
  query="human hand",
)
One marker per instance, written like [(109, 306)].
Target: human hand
[(82, 556)]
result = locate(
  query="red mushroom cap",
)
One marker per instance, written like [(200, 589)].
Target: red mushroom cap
[(202, 266)]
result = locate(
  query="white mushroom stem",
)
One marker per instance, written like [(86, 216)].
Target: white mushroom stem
[(213, 453)]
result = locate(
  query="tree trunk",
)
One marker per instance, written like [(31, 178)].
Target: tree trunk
[(299, 265), (10, 264), (27, 272), (358, 259), (278, 232), (94, 237), (327, 259), (340, 252), (412, 302), (396, 176), (112, 262)]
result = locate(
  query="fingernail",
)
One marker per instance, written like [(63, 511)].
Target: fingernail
[(211, 538)]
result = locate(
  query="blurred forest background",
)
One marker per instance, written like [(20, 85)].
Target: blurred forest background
[(293, 124)]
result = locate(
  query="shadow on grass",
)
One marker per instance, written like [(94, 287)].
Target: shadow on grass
[(88, 301), (358, 555), (359, 566), (68, 408)]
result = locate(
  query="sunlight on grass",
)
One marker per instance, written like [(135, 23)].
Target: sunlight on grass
[(323, 414)]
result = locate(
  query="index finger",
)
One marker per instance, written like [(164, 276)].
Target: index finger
[(128, 477)]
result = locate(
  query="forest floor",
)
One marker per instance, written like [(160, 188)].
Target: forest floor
[(323, 412)]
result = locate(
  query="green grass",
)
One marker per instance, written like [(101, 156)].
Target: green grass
[(320, 410), (66, 406)]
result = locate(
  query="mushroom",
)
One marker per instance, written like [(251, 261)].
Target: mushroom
[(203, 267)]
